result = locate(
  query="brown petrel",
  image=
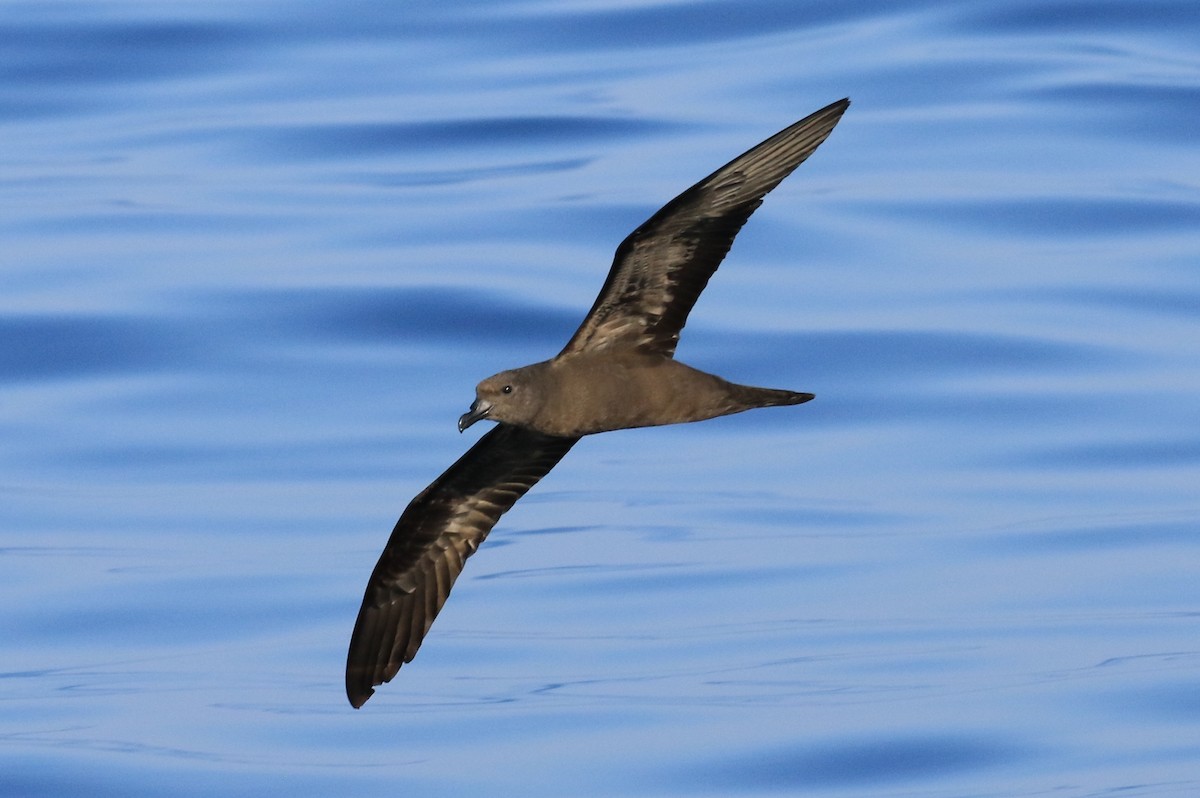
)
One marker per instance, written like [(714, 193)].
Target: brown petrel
[(618, 371)]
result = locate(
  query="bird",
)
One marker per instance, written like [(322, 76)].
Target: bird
[(617, 371)]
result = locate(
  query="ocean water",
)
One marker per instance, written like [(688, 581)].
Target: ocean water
[(255, 256)]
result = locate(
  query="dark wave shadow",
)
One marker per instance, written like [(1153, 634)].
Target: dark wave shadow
[(887, 354), (1101, 534), (55, 346), (881, 762), (1153, 301), (354, 140), (1069, 16), (409, 178), (1146, 452), (424, 316), (1053, 217), (218, 331), (624, 27), (64, 66)]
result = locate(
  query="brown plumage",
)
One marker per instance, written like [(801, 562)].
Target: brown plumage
[(618, 371)]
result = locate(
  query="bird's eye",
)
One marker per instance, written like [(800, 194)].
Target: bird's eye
[(506, 389)]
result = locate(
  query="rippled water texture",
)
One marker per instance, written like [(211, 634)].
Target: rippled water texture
[(255, 257)]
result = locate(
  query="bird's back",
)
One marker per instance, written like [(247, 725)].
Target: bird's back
[(600, 392)]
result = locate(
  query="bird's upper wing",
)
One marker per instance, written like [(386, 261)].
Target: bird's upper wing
[(661, 268), (438, 531)]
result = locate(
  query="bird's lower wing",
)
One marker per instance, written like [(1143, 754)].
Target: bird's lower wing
[(439, 530)]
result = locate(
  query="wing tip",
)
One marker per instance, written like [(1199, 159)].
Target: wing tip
[(358, 695), (835, 109)]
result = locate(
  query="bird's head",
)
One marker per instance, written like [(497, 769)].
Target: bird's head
[(513, 397)]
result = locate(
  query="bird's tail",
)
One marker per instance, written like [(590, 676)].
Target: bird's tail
[(748, 396)]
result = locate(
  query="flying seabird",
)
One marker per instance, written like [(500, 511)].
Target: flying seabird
[(618, 371)]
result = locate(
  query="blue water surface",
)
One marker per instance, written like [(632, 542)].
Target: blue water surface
[(255, 256)]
